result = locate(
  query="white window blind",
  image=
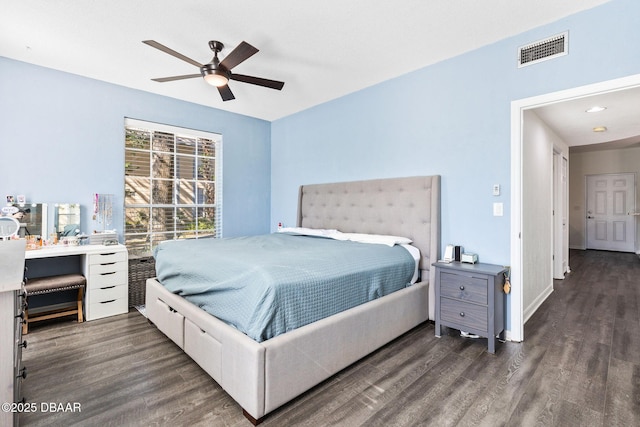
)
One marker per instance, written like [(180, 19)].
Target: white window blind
[(173, 184)]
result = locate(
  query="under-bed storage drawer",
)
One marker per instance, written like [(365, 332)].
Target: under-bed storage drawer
[(203, 348), (170, 322)]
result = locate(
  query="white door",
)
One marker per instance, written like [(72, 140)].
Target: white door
[(610, 203), (560, 209), (565, 213)]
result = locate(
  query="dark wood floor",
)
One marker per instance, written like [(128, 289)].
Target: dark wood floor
[(578, 366)]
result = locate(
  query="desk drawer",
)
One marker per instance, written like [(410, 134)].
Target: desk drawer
[(107, 308), (108, 257), (107, 293), (107, 268), (109, 278), (473, 289), (464, 314)]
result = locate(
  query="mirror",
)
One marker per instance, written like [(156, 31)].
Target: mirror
[(9, 227), (32, 218), (66, 219)]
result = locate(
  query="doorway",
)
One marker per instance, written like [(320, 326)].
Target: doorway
[(610, 204), (522, 268)]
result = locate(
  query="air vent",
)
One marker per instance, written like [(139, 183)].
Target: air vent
[(543, 50)]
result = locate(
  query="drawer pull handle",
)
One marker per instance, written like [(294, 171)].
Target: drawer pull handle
[(111, 272), (107, 302), (462, 287), (462, 314), (23, 373), (107, 263), (108, 287), (108, 254)]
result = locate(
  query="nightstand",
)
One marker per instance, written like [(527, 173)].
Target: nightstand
[(469, 297)]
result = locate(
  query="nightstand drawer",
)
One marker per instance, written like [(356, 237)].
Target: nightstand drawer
[(463, 287), (464, 314)]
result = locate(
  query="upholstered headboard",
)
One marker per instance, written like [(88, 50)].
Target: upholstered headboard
[(408, 207)]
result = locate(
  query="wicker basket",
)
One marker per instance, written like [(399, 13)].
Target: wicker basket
[(141, 268)]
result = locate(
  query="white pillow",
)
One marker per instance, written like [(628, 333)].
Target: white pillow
[(415, 253), (375, 238), (303, 231), (380, 239)]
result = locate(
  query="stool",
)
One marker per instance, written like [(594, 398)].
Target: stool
[(51, 284)]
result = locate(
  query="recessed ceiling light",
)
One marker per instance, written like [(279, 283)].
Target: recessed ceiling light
[(595, 109), (600, 129)]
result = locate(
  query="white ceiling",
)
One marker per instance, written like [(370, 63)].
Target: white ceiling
[(571, 121), (321, 50)]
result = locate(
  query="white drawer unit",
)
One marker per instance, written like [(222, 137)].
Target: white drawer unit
[(107, 283)]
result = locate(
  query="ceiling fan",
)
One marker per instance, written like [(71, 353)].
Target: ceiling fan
[(218, 73)]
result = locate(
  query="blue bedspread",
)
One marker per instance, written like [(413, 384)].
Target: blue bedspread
[(270, 284)]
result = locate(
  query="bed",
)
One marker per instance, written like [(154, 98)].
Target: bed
[(262, 376)]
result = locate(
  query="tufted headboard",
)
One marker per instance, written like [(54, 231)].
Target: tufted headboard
[(407, 207)]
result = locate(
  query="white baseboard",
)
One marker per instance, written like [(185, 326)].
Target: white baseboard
[(535, 304)]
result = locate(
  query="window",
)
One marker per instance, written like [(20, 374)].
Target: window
[(172, 185)]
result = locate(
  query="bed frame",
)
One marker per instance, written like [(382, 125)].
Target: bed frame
[(263, 376)]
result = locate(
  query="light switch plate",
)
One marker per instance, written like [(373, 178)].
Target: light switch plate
[(496, 189), (498, 209)]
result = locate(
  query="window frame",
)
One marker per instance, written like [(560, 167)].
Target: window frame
[(187, 204)]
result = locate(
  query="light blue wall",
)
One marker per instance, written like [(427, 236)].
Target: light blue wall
[(62, 140), (452, 119)]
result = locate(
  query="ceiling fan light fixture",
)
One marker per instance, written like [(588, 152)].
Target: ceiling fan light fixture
[(214, 76), (217, 80), (217, 73), (595, 109)]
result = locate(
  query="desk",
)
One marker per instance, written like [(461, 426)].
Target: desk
[(106, 271)]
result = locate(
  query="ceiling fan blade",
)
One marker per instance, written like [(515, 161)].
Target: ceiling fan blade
[(226, 93), (171, 52), (170, 79), (272, 84), (238, 55)]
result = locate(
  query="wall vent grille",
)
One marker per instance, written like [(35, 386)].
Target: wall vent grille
[(543, 50)]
